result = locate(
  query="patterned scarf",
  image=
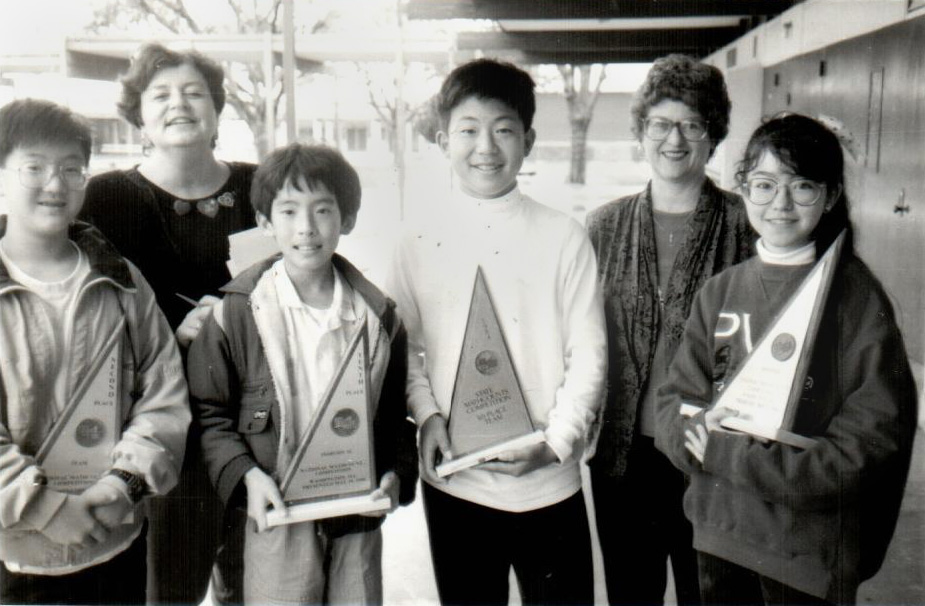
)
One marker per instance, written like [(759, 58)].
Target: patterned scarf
[(718, 236)]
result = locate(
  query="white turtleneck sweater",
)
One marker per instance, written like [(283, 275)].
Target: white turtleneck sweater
[(803, 255), (541, 272)]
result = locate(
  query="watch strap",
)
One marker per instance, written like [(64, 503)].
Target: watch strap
[(137, 488)]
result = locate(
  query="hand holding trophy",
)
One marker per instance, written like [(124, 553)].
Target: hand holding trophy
[(333, 470), (762, 397)]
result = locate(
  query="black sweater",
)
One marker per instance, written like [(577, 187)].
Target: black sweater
[(176, 254)]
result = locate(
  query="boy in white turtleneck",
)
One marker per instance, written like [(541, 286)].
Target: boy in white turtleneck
[(525, 508)]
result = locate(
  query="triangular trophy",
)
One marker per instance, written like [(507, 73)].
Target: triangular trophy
[(333, 472), (78, 451), (766, 389), (488, 413)]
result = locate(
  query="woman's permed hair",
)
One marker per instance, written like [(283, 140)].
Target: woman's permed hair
[(313, 163), (152, 58), (698, 85), (27, 122), (811, 151), (488, 79)]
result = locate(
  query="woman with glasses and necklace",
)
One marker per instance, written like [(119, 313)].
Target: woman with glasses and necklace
[(655, 249), (171, 215)]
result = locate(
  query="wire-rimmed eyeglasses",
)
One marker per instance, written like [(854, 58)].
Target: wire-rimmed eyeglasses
[(762, 190), (37, 176)]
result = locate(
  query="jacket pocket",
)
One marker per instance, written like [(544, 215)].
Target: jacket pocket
[(255, 423), (256, 405)]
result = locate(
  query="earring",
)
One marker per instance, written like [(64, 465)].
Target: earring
[(214, 140)]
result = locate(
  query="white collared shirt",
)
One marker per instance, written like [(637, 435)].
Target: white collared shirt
[(320, 336)]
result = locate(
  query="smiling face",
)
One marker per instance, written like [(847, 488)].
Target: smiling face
[(675, 159), (49, 210), (306, 224), (177, 109), (486, 144), (784, 225)]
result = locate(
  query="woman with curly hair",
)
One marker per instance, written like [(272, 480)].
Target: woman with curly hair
[(171, 215), (655, 249)]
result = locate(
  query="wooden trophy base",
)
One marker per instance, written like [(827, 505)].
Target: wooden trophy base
[(486, 454), (769, 433), (304, 512)]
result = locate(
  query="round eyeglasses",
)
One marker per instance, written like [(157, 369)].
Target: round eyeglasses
[(658, 129), (37, 176), (803, 192)]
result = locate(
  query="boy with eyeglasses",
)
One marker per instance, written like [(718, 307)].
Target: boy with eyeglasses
[(67, 300)]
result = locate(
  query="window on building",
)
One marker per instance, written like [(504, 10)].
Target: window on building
[(356, 138)]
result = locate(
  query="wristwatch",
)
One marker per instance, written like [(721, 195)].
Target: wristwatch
[(137, 488)]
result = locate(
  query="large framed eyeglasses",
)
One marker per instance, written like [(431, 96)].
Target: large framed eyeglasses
[(37, 176), (762, 190), (658, 129)]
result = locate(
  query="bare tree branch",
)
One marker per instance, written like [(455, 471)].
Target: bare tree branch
[(181, 11), (278, 98), (274, 11), (238, 14), (145, 7), (387, 117), (178, 9), (596, 91), (568, 73)]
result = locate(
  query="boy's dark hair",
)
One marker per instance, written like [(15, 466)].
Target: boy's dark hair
[(314, 163), (488, 79), (152, 58), (27, 122), (812, 151), (698, 85)]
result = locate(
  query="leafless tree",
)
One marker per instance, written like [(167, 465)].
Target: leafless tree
[(582, 87), (382, 92)]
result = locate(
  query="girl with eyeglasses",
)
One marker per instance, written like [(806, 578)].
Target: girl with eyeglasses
[(773, 523), (655, 249)]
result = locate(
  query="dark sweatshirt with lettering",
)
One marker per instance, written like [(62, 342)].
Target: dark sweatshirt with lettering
[(817, 519)]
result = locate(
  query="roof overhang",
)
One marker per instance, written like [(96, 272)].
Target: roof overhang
[(600, 31)]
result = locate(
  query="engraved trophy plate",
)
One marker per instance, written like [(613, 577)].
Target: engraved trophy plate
[(488, 413), (333, 472), (78, 450), (767, 388)]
